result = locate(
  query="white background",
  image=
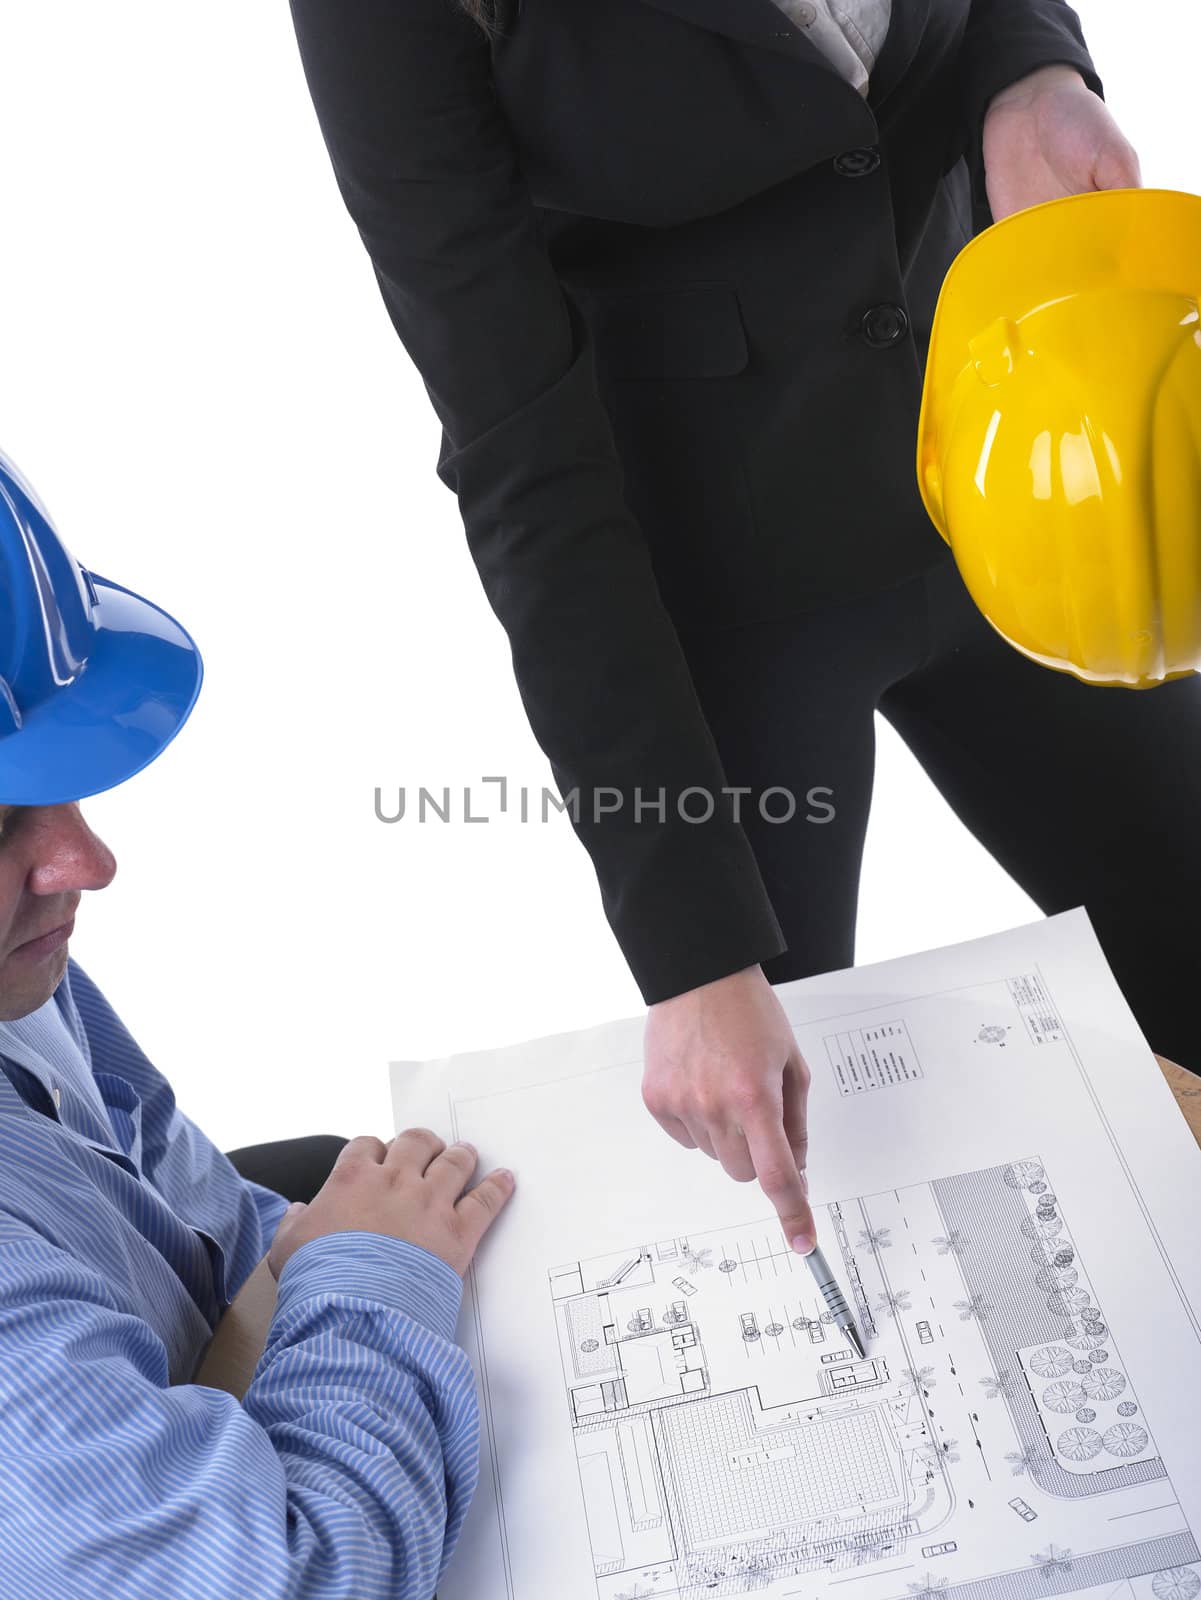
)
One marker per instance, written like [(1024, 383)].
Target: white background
[(198, 376)]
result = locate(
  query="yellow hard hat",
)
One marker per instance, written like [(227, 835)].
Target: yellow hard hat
[(1059, 442)]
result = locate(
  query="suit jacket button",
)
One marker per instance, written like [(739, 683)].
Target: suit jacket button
[(883, 325), (857, 163)]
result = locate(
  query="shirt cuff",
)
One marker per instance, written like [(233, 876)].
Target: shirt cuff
[(374, 1266)]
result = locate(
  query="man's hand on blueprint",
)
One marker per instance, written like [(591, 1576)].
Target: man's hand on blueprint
[(412, 1188), (723, 1074)]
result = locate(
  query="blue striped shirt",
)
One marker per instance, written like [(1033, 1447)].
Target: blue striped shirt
[(346, 1469)]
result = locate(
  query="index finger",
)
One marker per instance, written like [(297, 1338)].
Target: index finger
[(795, 1094), (414, 1147), (366, 1147), (781, 1182)]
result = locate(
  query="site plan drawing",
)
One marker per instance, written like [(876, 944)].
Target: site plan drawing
[(1008, 1196), (725, 1431)]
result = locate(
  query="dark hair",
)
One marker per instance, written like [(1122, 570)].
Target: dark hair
[(483, 12)]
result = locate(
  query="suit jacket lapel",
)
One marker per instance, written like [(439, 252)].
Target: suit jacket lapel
[(906, 25), (757, 22), (762, 23)]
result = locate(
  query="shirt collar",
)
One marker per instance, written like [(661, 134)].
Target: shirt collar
[(58, 1012)]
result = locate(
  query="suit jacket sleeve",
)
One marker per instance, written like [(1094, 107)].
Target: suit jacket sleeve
[(427, 168), (1004, 41)]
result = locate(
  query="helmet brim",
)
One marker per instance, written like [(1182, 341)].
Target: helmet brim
[(118, 714)]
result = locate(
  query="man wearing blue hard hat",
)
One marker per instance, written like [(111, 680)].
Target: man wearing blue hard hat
[(347, 1467)]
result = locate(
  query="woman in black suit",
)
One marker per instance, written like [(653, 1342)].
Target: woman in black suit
[(668, 277)]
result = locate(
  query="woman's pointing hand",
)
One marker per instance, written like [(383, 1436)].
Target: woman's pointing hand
[(723, 1074)]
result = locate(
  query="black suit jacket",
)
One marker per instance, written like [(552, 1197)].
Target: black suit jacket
[(669, 281)]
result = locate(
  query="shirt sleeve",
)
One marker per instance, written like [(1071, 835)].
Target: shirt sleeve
[(344, 1474), (1004, 41), (270, 1207), (428, 171)]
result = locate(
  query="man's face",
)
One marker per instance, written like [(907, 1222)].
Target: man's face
[(48, 856)]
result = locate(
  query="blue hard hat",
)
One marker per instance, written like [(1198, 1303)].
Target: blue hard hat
[(94, 681)]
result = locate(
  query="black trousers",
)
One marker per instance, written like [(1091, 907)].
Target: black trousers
[(1086, 796), (295, 1168)]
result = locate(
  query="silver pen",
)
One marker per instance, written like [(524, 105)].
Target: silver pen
[(827, 1283)]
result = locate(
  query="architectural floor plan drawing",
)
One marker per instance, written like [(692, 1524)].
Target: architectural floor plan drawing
[(1008, 1196), (727, 1436)]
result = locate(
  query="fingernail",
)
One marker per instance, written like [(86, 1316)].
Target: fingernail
[(504, 1174), (802, 1244)]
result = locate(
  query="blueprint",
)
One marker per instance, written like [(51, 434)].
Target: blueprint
[(1008, 1195)]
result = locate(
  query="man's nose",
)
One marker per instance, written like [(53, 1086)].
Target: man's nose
[(67, 855)]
